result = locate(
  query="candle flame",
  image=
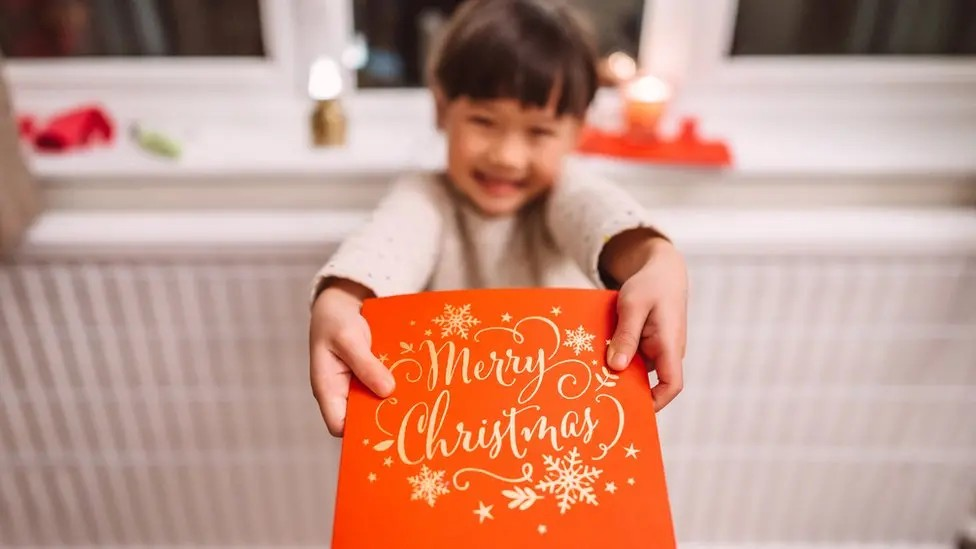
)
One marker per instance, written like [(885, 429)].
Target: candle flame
[(324, 79), (649, 89), (622, 66)]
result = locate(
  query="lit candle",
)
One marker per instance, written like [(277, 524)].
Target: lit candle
[(328, 121), (617, 69), (644, 100), (324, 80)]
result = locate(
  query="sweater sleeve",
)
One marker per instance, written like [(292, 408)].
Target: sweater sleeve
[(584, 212), (396, 251)]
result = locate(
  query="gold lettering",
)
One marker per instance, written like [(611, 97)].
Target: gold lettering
[(403, 431), (570, 427), (480, 372), (541, 430), (539, 369), (437, 416)]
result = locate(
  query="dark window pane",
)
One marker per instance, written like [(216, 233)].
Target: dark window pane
[(398, 33), (68, 28), (855, 27)]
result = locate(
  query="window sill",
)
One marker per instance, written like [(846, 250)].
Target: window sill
[(696, 230), (392, 132)]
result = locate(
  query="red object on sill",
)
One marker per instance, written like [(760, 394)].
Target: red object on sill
[(74, 129), (685, 148), (77, 128), (26, 126)]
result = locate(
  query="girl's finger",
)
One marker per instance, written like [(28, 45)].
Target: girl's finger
[(330, 386), (670, 377), (352, 348), (632, 313)]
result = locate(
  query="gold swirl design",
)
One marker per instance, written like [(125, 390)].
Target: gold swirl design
[(573, 378), (420, 368), (620, 428), (393, 401), (519, 337), (526, 476)]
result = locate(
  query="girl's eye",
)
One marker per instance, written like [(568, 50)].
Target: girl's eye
[(483, 121), (540, 131)]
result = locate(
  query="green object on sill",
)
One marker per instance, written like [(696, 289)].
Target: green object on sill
[(156, 142)]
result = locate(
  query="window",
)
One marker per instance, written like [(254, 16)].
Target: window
[(76, 50), (839, 60), (759, 66), (269, 44), (102, 28), (722, 55), (855, 27), (398, 34)]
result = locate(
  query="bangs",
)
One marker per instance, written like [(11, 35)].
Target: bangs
[(518, 50)]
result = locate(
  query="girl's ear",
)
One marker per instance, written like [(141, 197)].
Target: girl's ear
[(440, 105)]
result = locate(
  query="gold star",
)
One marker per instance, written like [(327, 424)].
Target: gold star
[(427, 332), (556, 311), (631, 451), (372, 477), (506, 317), (484, 512), (593, 362), (608, 342), (611, 487), (365, 442), (388, 462), (542, 529), (631, 481), (384, 358), (413, 322)]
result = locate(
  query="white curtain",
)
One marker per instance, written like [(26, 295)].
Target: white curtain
[(20, 200)]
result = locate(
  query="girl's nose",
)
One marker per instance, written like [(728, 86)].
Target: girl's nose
[(509, 152)]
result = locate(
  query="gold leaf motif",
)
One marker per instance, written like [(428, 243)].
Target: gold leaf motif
[(521, 498), (383, 445)]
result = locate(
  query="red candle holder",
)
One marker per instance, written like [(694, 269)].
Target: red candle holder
[(644, 102), (686, 148)]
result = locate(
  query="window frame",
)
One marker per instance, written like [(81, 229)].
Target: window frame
[(684, 41), (777, 112), (688, 42), (294, 32)]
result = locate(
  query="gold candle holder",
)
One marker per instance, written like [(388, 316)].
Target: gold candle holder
[(328, 123)]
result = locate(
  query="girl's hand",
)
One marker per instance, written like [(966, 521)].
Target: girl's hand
[(339, 347), (652, 310)]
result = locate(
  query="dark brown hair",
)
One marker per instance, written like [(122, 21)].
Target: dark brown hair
[(518, 49)]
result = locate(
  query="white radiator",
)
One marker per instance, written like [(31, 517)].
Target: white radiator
[(154, 384)]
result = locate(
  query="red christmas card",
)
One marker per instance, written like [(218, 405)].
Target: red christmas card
[(506, 429)]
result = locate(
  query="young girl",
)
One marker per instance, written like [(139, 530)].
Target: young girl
[(512, 82)]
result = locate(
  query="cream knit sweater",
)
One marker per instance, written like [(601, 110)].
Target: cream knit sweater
[(426, 236)]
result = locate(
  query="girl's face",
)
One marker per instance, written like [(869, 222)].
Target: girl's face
[(502, 154)]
